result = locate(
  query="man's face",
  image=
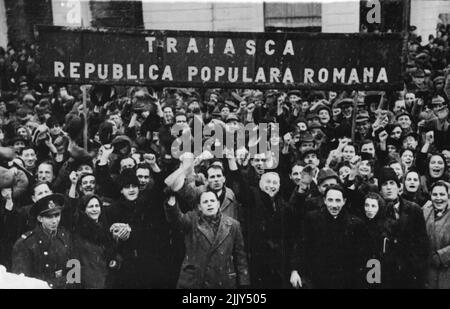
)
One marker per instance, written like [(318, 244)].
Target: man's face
[(209, 204), (143, 175), (216, 180), (364, 168), (396, 133), (446, 154), (418, 80), (45, 173), (168, 115), (50, 222), (29, 158), (334, 201), (127, 163), (348, 152), (305, 146), (224, 113), (130, 192), (18, 146), (390, 190), (410, 98), (344, 171), (296, 174), (324, 116), (259, 162), (302, 126), (84, 169), (363, 127), (305, 106), (270, 184), (399, 106), (405, 122), (410, 143), (311, 159), (347, 111), (181, 120), (55, 130), (323, 186), (22, 132), (87, 185), (40, 191), (368, 148)]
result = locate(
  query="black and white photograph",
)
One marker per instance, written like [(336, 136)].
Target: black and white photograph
[(224, 149)]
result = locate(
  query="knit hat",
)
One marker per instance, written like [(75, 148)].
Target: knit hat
[(387, 174), (128, 177)]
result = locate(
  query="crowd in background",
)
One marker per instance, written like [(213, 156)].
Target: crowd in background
[(337, 194)]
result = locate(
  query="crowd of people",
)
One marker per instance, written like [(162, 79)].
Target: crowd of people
[(324, 198)]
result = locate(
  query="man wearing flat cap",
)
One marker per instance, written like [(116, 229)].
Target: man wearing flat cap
[(43, 253)]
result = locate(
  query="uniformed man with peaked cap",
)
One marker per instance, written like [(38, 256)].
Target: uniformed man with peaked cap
[(43, 253)]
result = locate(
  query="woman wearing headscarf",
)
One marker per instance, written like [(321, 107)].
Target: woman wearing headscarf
[(412, 190), (94, 243), (437, 218)]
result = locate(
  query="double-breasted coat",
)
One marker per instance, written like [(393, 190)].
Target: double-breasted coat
[(212, 260), (438, 276)]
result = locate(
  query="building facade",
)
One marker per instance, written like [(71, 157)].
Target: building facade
[(18, 17)]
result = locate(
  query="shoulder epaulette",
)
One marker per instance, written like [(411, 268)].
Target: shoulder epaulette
[(27, 234)]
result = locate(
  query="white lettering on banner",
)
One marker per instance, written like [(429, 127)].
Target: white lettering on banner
[(192, 47), (220, 74), (288, 49), (251, 47), (268, 50), (74, 70), (58, 69), (171, 45), (89, 69), (150, 40), (229, 47)]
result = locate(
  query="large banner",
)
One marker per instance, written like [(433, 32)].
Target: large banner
[(221, 59)]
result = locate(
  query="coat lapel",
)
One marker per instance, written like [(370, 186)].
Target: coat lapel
[(209, 234), (222, 233), (226, 201)]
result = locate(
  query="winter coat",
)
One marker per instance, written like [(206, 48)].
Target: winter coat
[(229, 206), (408, 246), (331, 253), (438, 275), (213, 260), (146, 254)]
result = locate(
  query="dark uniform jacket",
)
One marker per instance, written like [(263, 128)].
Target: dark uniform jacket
[(44, 257)]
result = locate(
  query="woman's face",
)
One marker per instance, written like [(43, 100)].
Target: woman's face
[(348, 152), (93, 209), (436, 167), (439, 197), (407, 158), (371, 208), (412, 182)]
